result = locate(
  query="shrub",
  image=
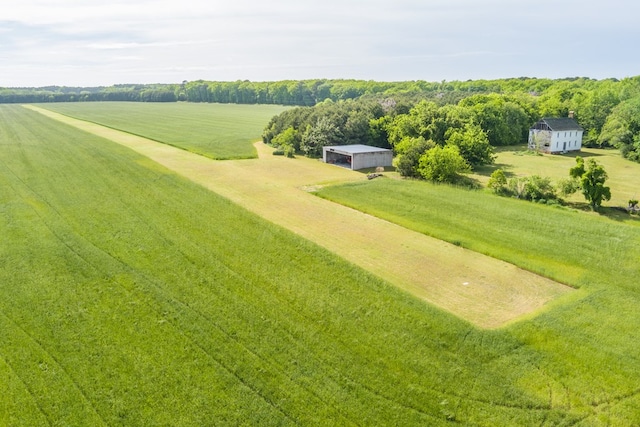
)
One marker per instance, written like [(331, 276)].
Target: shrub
[(498, 182), (534, 188), (539, 188), (289, 151), (567, 187)]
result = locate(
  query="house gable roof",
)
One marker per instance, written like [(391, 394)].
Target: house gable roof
[(560, 124)]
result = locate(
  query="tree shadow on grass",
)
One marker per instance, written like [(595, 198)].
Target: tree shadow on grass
[(384, 169), (487, 170), (615, 213), (583, 154)]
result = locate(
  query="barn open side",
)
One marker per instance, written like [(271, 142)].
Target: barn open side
[(357, 156)]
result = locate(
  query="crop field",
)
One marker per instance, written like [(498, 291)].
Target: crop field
[(218, 131), (130, 295), (482, 290)]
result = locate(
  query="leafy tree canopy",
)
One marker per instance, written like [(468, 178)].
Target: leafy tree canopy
[(592, 177), (473, 144), (443, 164)]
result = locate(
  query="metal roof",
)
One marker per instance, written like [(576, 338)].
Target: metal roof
[(563, 123), (354, 149)]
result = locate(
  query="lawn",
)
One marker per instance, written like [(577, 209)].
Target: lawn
[(218, 131), (132, 296), (624, 175)]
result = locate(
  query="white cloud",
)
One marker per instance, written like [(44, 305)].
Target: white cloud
[(81, 42)]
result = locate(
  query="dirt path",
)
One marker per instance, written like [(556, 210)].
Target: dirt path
[(484, 291)]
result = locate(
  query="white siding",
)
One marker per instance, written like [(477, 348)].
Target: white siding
[(566, 141)]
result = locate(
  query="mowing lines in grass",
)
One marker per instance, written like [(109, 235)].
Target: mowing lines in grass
[(170, 266), (480, 289), (218, 131), (166, 304)]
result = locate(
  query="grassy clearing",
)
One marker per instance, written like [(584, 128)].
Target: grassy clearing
[(482, 290), (624, 175), (213, 130), (131, 296)]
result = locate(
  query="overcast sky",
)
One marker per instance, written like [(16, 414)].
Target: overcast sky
[(90, 43)]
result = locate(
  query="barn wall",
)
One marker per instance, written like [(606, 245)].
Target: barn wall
[(372, 160)]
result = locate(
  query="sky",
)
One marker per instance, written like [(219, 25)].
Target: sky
[(98, 43)]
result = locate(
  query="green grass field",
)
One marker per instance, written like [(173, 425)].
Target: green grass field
[(132, 296), (484, 291), (576, 248), (218, 131), (624, 175), (590, 342)]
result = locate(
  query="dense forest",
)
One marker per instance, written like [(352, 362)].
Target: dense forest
[(410, 117), (463, 121)]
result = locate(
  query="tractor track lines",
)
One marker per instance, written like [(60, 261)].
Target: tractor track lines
[(63, 369), (28, 389), (428, 268)]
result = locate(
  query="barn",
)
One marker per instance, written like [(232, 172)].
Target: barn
[(556, 135), (357, 156)]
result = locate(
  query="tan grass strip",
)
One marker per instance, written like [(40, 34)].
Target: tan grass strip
[(485, 291)]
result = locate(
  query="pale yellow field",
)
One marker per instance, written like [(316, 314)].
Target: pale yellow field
[(484, 291)]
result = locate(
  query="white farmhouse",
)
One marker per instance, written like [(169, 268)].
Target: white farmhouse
[(556, 135)]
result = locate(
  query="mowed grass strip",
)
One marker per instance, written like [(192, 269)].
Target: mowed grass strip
[(131, 296), (572, 247), (483, 290), (218, 131)]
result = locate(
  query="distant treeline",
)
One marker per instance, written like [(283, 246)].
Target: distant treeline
[(134, 93), (388, 113), (286, 92)]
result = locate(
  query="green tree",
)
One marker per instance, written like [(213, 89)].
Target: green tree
[(578, 170), (622, 129), (423, 120), (443, 164), (378, 134), (501, 117), (322, 134), (287, 138), (473, 144), (408, 161), (356, 128), (592, 178)]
